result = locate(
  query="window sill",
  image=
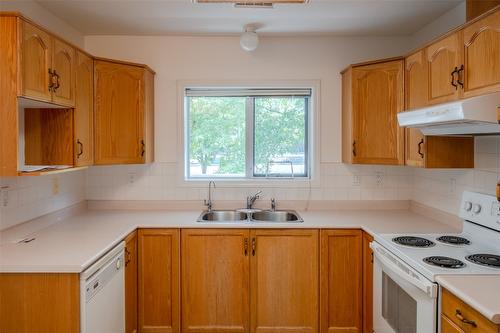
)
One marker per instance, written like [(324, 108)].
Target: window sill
[(251, 183)]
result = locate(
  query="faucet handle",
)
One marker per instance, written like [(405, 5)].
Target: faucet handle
[(273, 204)]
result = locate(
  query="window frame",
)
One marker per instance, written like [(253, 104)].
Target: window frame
[(313, 135)]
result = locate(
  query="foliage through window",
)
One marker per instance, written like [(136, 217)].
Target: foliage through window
[(247, 133)]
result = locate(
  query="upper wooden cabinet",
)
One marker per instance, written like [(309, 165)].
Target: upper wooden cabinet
[(416, 80), (341, 290), (481, 47), (443, 60), (372, 97), (159, 270), (284, 281), (215, 280), (47, 67), (84, 111), (123, 113)]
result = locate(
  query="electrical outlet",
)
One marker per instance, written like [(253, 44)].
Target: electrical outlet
[(132, 177), (453, 185), (5, 195), (356, 180), (55, 186), (379, 179)]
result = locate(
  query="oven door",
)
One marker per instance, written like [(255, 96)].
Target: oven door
[(404, 301)]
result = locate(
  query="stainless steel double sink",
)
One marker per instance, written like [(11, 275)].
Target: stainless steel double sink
[(269, 216)]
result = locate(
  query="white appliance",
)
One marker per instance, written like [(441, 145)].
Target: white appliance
[(102, 294), (472, 116), (406, 296)]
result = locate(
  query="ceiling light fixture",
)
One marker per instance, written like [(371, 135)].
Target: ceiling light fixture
[(249, 40)]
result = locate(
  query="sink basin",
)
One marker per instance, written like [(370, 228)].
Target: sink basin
[(222, 216), (279, 216)]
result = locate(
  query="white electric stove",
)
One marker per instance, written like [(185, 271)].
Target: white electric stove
[(406, 297)]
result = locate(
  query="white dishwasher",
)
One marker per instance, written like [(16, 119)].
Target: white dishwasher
[(102, 294)]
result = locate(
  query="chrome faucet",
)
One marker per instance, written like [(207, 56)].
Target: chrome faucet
[(208, 202), (273, 204), (251, 199)]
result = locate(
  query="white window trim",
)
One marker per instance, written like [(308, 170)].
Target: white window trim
[(314, 135)]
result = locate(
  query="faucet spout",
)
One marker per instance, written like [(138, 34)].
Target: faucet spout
[(252, 198), (209, 202)]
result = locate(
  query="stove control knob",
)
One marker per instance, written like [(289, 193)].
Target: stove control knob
[(467, 206), (476, 209)]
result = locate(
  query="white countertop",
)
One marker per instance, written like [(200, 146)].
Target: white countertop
[(76, 242), (479, 291)]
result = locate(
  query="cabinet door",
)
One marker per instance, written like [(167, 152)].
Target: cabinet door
[(367, 284), (36, 59), (63, 63), (119, 113), (215, 281), (284, 281), (131, 283), (482, 56), (341, 281), (443, 60), (84, 111), (159, 281), (447, 326), (377, 97)]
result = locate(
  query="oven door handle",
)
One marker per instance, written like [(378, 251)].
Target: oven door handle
[(404, 271)]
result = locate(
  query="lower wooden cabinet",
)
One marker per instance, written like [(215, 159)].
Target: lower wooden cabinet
[(215, 280), (284, 281), (131, 266), (159, 271), (341, 286), (367, 284)]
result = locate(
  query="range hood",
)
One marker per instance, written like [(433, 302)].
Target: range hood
[(473, 116)]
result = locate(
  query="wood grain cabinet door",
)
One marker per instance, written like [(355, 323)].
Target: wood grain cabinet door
[(377, 97), (284, 281), (215, 281), (481, 43), (416, 87), (443, 60), (131, 280), (119, 113), (341, 281), (159, 272), (84, 111), (36, 60), (63, 64), (367, 284)]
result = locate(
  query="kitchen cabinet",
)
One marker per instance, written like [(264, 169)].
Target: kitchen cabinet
[(159, 270), (457, 316), (123, 113), (367, 284), (215, 280), (47, 67), (474, 8), (371, 98), (443, 60), (39, 302), (341, 287), (131, 283), (481, 60), (284, 280), (430, 151), (84, 111)]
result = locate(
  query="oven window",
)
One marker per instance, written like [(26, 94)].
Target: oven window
[(398, 308)]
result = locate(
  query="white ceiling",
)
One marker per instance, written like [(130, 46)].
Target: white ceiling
[(161, 17)]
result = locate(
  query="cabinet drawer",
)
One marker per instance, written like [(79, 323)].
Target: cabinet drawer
[(459, 312)]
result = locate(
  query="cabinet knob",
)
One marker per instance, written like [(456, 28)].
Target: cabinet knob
[(460, 317), (420, 148), (80, 144), (143, 149), (354, 148)]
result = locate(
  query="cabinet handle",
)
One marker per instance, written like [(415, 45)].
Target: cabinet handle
[(254, 246), (80, 144), (420, 148), (245, 246), (354, 148), (460, 80), (51, 79), (453, 78), (128, 257), (460, 317), (57, 85), (143, 151)]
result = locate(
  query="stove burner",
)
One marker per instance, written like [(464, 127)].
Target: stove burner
[(489, 260), (413, 241), (444, 262), (454, 240)]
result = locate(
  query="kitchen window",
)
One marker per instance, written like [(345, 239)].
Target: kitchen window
[(247, 133)]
